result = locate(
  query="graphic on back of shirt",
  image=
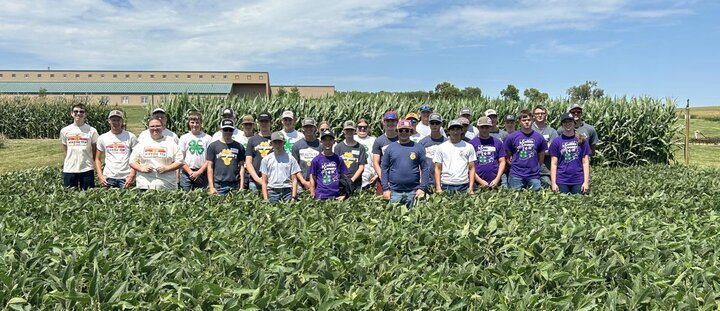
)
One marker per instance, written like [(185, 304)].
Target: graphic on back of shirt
[(195, 147), (329, 172), (485, 154), (227, 155), (526, 148), (569, 150), (263, 148), (155, 152), (77, 140)]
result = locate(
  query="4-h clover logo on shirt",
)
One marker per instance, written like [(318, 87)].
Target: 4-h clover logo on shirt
[(288, 145), (567, 156), (482, 159), (524, 154), (326, 179), (195, 147)]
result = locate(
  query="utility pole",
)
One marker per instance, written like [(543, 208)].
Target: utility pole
[(687, 133)]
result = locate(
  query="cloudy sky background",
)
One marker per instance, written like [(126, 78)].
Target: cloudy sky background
[(661, 48)]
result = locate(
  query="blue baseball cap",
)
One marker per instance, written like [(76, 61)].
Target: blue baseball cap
[(425, 108), (390, 115)]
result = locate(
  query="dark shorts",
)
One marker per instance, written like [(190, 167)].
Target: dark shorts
[(81, 181)]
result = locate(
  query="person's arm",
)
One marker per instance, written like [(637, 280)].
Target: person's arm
[(471, 176), (211, 176), (312, 185), (376, 165), (130, 178), (358, 173), (293, 190), (251, 169), (242, 176), (98, 167), (586, 174), (263, 187), (438, 173), (553, 174), (501, 170)]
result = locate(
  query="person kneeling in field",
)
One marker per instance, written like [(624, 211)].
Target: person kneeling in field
[(403, 166), (156, 159), (570, 159), (490, 154), (225, 161), (279, 172), (326, 170), (115, 146), (455, 162), (527, 150)]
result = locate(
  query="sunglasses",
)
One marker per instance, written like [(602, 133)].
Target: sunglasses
[(362, 127), (228, 130), (404, 131), (435, 123), (78, 111), (324, 129)]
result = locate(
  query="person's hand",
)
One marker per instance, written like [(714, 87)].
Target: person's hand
[(386, 195), (306, 184), (373, 179), (494, 183), (161, 169), (212, 190), (484, 184), (585, 187), (340, 198), (103, 179), (471, 191), (129, 181), (419, 193), (555, 187), (145, 169), (195, 175)]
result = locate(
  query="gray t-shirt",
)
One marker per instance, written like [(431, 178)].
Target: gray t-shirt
[(303, 152), (353, 156), (279, 168), (226, 160), (500, 134), (548, 133)]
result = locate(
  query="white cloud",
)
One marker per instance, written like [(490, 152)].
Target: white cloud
[(556, 47)]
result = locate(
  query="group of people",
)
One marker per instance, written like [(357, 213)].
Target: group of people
[(414, 155)]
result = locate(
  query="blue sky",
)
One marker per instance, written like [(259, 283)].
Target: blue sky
[(660, 48)]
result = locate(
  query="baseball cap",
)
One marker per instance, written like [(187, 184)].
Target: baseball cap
[(158, 109), (412, 115), (510, 117), (227, 112), (308, 122), (566, 116), (464, 121), (288, 114), (248, 119), (436, 117), (425, 108), (390, 115), (264, 116), (277, 136), (227, 123), (454, 123), (327, 133), (349, 125), (465, 111), (484, 121), (116, 113), (490, 112), (575, 106), (404, 124)]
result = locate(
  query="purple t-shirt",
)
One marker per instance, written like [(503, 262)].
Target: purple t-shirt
[(488, 152), (569, 154), (525, 149), (327, 171)]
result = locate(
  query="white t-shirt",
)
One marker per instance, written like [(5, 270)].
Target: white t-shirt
[(145, 135), (471, 132), (279, 169), (117, 149), (369, 171), (237, 136), (424, 130), (194, 147), (416, 137), (156, 153), (79, 141), (291, 138), (454, 159)]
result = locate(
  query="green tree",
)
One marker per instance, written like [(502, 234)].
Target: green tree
[(281, 92), (471, 92), (585, 91), (42, 92), (447, 90), (535, 96), (294, 92), (510, 93)]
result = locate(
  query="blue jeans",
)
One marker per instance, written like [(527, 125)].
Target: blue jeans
[(253, 186), (503, 180), (188, 184), (403, 197), (224, 188), (454, 188), (115, 182), (545, 181), (279, 194), (515, 182), (572, 189), (81, 181)]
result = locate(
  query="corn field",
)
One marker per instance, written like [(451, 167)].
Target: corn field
[(44, 117), (633, 131)]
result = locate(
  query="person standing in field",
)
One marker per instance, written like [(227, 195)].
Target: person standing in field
[(305, 150), (79, 147), (248, 130), (279, 172), (413, 118), (159, 114), (431, 143), (455, 162), (156, 160), (389, 136), (570, 159), (494, 130), (352, 153), (466, 127), (510, 125), (403, 168), (366, 140), (527, 151), (539, 125), (115, 147), (490, 155), (194, 144), (224, 161), (471, 132), (258, 148), (583, 128), (423, 127), (326, 170), (288, 130), (238, 135)]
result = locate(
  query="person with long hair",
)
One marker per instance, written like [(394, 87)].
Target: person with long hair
[(570, 159)]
